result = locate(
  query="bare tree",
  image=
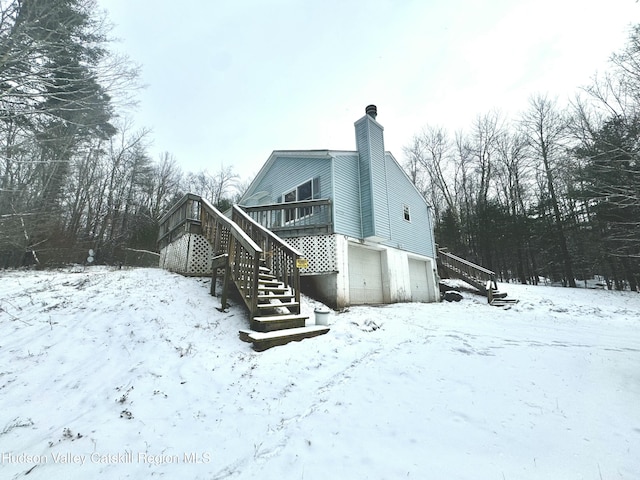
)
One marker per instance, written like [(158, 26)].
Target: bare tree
[(425, 164), (57, 82), (514, 175), (545, 128), (438, 163), (217, 187), (164, 187), (414, 165)]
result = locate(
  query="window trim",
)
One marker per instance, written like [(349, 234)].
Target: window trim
[(406, 212), (297, 212)]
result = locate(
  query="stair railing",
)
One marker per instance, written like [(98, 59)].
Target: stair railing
[(280, 257), (242, 240), (244, 254), (476, 275)]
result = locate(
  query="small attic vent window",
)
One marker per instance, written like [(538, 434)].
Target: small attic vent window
[(407, 213)]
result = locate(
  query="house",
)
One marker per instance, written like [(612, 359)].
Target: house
[(364, 229)]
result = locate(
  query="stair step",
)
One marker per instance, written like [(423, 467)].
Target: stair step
[(277, 322), (266, 276), (284, 296), (262, 288), (276, 305), (269, 283), (264, 340), (501, 302)]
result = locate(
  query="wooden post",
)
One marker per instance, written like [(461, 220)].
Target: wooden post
[(227, 273), (296, 282), (219, 261), (254, 286)]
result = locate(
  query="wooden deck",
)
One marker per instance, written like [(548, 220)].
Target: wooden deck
[(262, 267)]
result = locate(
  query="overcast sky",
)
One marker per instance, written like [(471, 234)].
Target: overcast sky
[(231, 81)]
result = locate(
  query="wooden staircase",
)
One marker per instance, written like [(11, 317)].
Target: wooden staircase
[(259, 264), (479, 277), (263, 269), (279, 320)]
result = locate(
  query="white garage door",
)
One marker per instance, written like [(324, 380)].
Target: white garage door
[(365, 276), (419, 280)]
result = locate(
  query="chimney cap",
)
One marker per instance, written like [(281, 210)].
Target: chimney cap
[(372, 111)]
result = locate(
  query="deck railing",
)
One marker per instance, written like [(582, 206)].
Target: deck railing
[(279, 257), (471, 273), (184, 217), (244, 242), (226, 238), (307, 217)]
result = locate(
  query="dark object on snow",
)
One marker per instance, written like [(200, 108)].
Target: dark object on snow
[(444, 287), (452, 296)]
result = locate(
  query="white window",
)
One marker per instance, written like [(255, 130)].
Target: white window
[(304, 191), (407, 213)]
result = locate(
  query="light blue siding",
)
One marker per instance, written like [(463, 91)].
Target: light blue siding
[(346, 195), (287, 172), (364, 177), (373, 178), (382, 228), (368, 189), (416, 235)]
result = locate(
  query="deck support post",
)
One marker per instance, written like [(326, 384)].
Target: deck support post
[(219, 261)]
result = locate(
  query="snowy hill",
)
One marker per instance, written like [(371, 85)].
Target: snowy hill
[(135, 374)]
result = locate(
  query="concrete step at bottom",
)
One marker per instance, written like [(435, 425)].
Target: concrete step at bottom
[(264, 340)]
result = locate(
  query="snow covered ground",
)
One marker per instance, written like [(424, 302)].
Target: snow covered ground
[(134, 374)]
